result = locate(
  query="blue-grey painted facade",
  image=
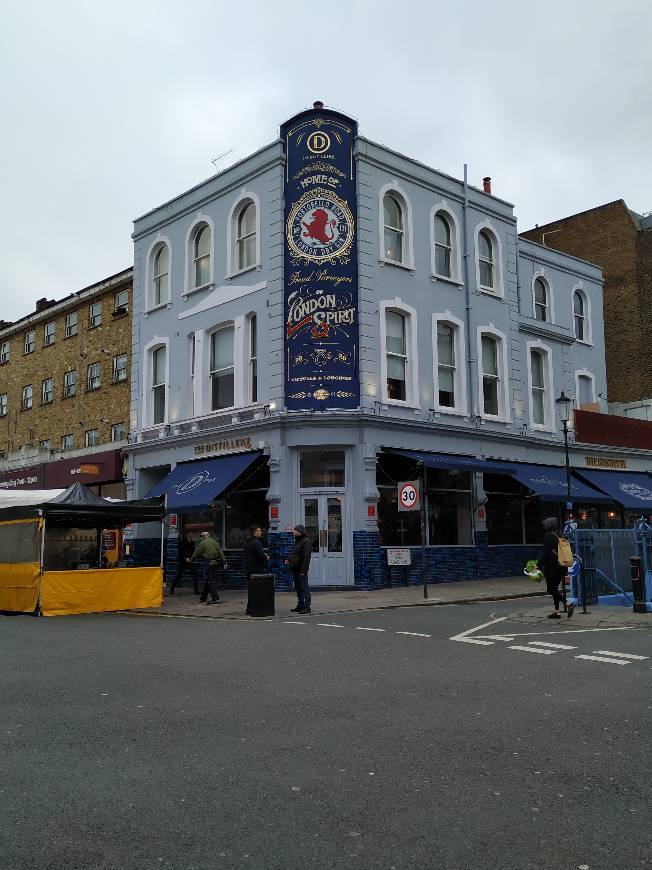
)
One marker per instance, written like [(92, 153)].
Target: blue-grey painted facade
[(232, 296)]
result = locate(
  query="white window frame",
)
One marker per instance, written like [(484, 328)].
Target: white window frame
[(64, 446), (550, 297), (549, 424), (237, 369), (445, 210), (125, 369), (588, 325), (118, 293), (89, 388), (5, 352), (71, 328), (86, 439), (189, 283), (4, 404), (393, 188), (250, 358), (232, 269), (49, 337), (24, 395), (45, 392), (411, 344), (498, 290), (147, 384), (93, 320), (461, 402), (30, 346), (504, 407), (584, 373), (113, 428), (158, 242), (67, 392)]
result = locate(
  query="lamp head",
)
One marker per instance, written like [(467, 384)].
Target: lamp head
[(563, 404)]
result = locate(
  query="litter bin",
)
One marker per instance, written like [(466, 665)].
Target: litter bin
[(638, 584), (260, 598)]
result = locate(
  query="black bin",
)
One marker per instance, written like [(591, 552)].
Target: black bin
[(260, 598)]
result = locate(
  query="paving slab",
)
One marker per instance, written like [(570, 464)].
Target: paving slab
[(234, 602), (597, 616)]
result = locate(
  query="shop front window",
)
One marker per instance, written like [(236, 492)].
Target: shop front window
[(514, 513), (448, 501), (321, 468)]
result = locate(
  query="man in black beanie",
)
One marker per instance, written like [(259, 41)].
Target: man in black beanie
[(299, 563)]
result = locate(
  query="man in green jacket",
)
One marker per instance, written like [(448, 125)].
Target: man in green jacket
[(210, 550)]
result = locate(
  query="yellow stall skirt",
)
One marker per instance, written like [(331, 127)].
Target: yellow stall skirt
[(19, 585), (100, 590)]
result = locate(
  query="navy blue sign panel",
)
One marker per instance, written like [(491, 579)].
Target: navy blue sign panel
[(321, 262)]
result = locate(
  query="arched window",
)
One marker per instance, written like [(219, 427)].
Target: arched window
[(394, 229), (541, 301), (443, 246), (491, 382), (486, 259), (538, 381), (202, 256), (246, 236), (161, 276), (579, 316)]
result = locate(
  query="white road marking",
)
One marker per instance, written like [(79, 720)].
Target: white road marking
[(552, 645), (533, 649), (604, 659), (462, 636), (479, 642), (329, 625), (414, 633), (506, 637), (364, 628), (558, 632), (293, 622), (608, 652)]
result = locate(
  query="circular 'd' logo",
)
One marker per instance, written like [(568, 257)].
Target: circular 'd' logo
[(408, 496), (193, 482), (318, 143), (320, 226)]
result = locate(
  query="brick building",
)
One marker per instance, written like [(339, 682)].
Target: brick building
[(620, 242), (64, 390)]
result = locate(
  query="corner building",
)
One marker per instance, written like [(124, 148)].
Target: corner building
[(328, 318)]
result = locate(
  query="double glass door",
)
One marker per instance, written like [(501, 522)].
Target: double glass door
[(323, 517)]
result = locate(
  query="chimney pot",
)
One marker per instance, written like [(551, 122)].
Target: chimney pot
[(318, 105), (486, 184)]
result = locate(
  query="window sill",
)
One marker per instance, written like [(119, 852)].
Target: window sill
[(158, 307), (68, 395), (454, 412), (26, 409), (407, 266), (584, 342), (119, 381), (94, 325), (28, 352), (537, 427), (252, 268), (49, 344), (117, 314), (490, 418), (190, 291), (399, 403), (92, 389), (72, 335), (486, 291), (46, 403), (444, 280)]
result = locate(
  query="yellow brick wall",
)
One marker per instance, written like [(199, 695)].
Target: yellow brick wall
[(95, 409)]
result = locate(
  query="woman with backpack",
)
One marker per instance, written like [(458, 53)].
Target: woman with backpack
[(549, 565)]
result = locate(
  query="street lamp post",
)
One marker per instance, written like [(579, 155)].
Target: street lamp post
[(563, 404)]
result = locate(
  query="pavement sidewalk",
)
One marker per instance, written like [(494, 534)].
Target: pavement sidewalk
[(185, 603), (597, 616)]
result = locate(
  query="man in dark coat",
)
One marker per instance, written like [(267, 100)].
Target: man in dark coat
[(254, 558), (299, 563), (186, 552), (548, 564)]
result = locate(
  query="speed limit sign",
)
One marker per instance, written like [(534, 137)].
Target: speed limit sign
[(408, 496)]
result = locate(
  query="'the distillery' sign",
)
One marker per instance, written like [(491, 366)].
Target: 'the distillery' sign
[(321, 262)]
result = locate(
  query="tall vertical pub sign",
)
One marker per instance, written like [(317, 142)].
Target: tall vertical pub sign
[(321, 262)]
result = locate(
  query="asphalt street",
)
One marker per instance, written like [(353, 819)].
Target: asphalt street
[(408, 738)]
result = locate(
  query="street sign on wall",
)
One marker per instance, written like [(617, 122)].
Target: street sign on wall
[(408, 495)]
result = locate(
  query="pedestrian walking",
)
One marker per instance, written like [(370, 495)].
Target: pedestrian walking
[(548, 564), (210, 550), (254, 558), (186, 549), (299, 563)]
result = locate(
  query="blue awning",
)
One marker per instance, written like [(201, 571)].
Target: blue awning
[(631, 489), (453, 462), (195, 484), (550, 482)]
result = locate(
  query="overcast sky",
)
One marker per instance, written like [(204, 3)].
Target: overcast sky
[(109, 109)]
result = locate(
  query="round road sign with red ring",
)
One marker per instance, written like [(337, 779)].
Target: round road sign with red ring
[(408, 496)]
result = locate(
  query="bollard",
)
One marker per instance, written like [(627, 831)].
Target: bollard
[(638, 584)]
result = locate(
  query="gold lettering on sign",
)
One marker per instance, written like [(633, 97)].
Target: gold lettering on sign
[(605, 462), (229, 445)]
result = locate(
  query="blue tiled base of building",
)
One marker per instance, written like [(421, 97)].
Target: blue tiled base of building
[(146, 551), (443, 564)]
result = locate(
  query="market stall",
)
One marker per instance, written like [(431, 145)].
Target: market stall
[(55, 549)]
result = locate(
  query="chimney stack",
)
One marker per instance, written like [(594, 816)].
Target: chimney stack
[(486, 184), (318, 106)]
